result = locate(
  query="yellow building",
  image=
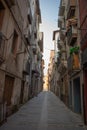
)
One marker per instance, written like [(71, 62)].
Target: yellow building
[(45, 86)]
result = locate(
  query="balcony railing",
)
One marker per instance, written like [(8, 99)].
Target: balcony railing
[(37, 8), (38, 68), (39, 56), (35, 68), (62, 35), (40, 42), (27, 35), (59, 23), (2, 48), (58, 61), (34, 48), (73, 63), (72, 35), (62, 8)]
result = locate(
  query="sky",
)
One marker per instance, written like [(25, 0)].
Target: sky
[(49, 14)]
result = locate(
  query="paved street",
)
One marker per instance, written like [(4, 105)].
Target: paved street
[(44, 112)]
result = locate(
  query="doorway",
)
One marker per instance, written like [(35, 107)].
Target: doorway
[(85, 95), (8, 89), (22, 92), (77, 95)]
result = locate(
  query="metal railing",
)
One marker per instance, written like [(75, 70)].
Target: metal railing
[(73, 63), (72, 35), (71, 3)]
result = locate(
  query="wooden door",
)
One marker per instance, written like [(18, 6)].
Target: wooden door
[(8, 89)]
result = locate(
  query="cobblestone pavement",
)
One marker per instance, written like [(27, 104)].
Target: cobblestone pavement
[(44, 112)]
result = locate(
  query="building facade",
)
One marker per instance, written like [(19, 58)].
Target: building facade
[(71, 74), (46, 83), (19, 45), (83, 43), (51, 71), (68, 75)]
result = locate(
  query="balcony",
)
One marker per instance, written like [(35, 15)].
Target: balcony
[(27, 35), (60, 67), (63, 50), (10, 2), (40, 42), (65, 63), (62, 8), (26, 69), (72, 35), (73, 63), (58, 61), (34, 48), (38, 70), (2, 48), (71, 22), (39, 56), (59, 23), (35, 68), (37, 7), (29, 16), (59, 44), (62, 35), (71, 8)]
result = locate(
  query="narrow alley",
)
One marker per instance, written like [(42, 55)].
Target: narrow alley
[(44, 112), (43, 64)]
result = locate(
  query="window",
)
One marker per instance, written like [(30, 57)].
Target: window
[(72, 14), (14, 44), (2, 11)]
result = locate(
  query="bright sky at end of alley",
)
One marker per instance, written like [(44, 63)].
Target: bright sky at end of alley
[(49, 13)]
